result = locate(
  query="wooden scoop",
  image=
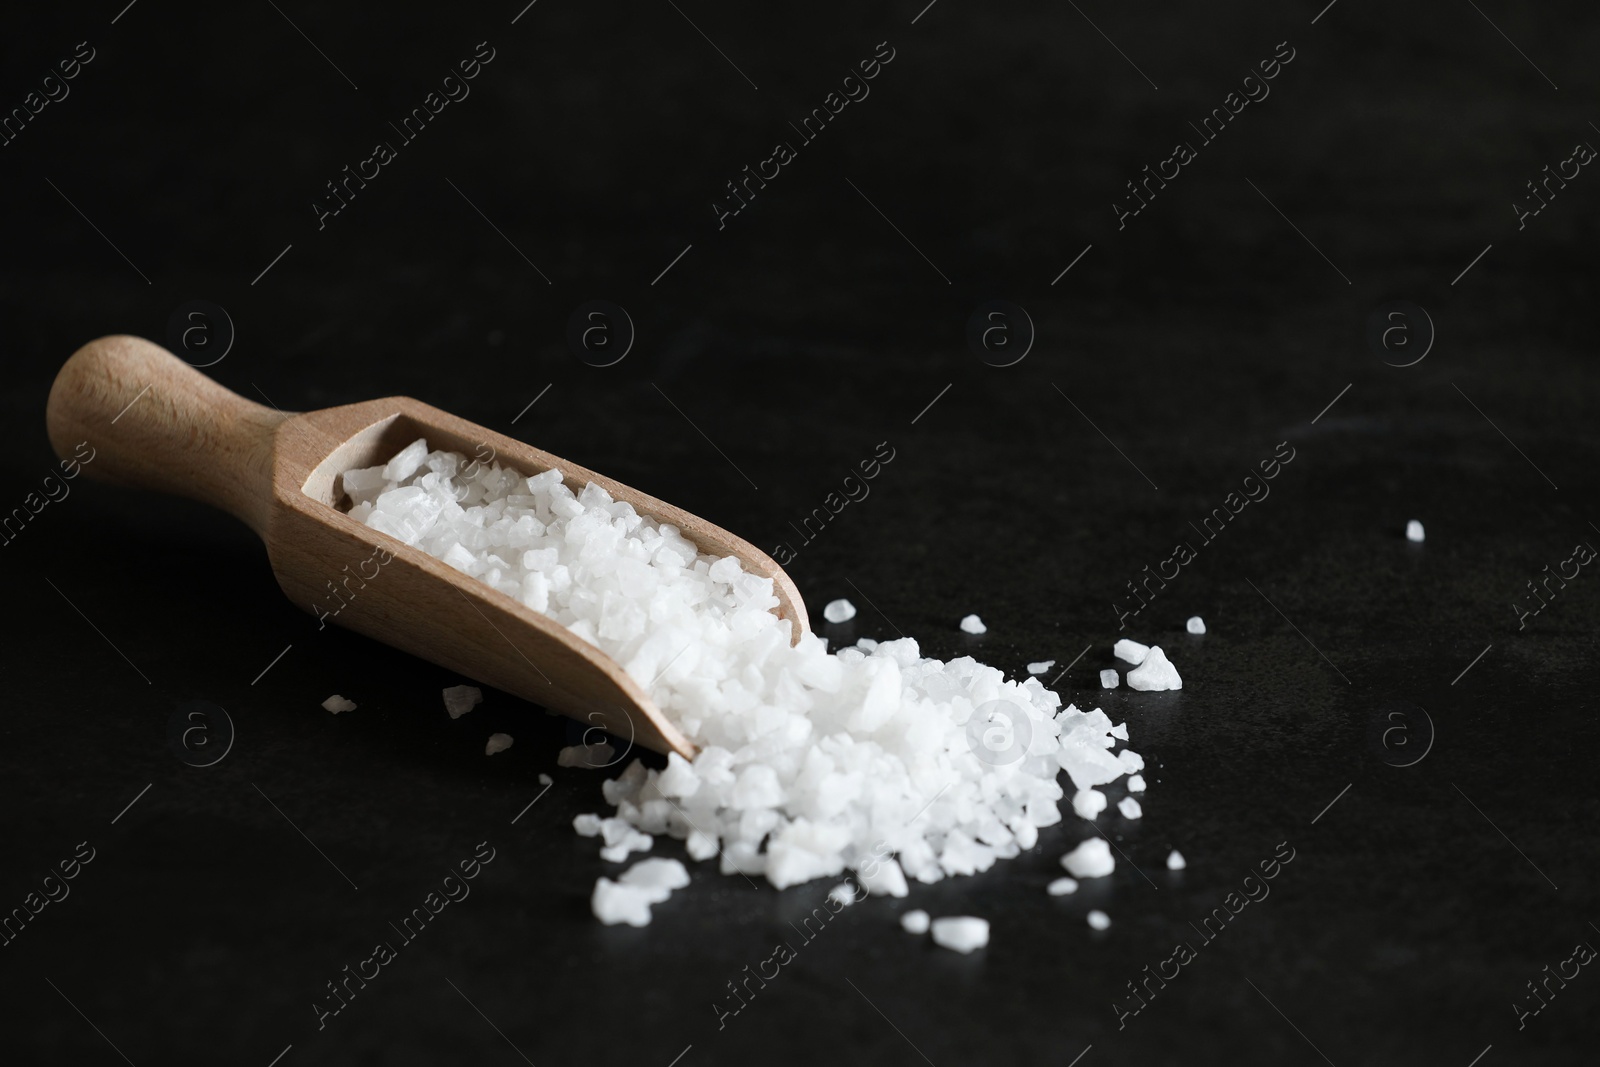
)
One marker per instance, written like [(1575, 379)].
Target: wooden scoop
[(157, 423)]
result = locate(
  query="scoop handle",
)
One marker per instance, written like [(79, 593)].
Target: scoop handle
[(130, 412)]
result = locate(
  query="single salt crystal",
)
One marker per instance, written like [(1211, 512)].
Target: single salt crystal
[(1040, 667), (1062, 886), (1088, 803), (1130, 808), (1414, 531), (1131, 761), (844, 893), (660, 876), (1155, 673), (546, 780), (460, 699), (497, 743), (1091, 859), (613, 902), (963, 933), (1108, 679), (587, 825), (617, 846), (337, 703), (1136, 783), (407, 461), (1131, 651), (1175, 861), (1099, 920), (700, 845), (1195, 625), (914, 922), (971, 624), (839, 611), (886, 879), (592, 756), (679, 779)]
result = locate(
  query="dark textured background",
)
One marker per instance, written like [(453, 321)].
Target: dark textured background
[(799, 337)]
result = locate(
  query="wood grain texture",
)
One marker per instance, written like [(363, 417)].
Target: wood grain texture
[(157, 423)]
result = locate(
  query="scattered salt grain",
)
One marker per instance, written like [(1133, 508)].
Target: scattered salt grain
[(613, 902), (1155, 674), (1136, 783), (1195, 625), (1091, 859), (497, 743), (590, 756), (971, 624), (546, 780), (844, 894), (1062, 886), (337, 703), (1130, 808), (1414, 532), (628, 899), (914, 922), (963, 933), (1108, 679), (1040, 667), (1088, 803), (839, 611), (1175, 861), (460, 699), (657, 874), (1131, 651), (1099, 920)]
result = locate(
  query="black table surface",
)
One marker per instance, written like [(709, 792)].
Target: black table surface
[(1397, 717)]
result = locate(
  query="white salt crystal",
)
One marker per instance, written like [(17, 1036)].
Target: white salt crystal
[(546, 780), (1062, 886), (460, 699), (406, 462), (679, 779), (1131, 761), (1136, 783), (1130, 808), (886, 879), (660, 876), (963, 933), (1195, 625), (971, 624), (844, 894), (1156, 673), (1175, 861), (1414, 531), (613, 902), (1131, 651), (587, 825), (1099, 920), (839, 611), (1108, 679), (1040, 667), (1091, 859), (914, 922), (1088, 803), (337, 703), (364, 484), (590, 756), (700, 845), (497, 743)]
